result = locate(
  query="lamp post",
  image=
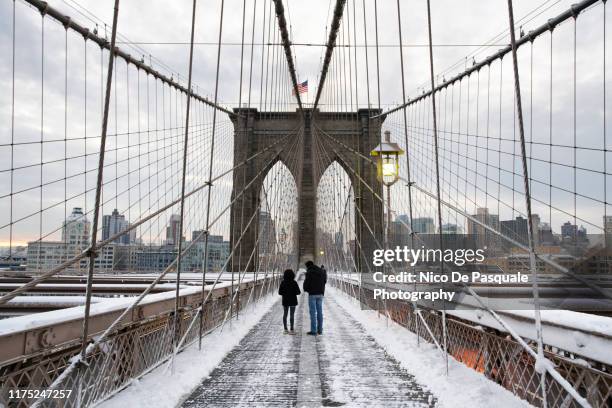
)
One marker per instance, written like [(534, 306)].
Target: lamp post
[(387, 169)]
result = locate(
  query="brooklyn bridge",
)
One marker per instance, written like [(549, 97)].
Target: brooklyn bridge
[(148, 212)]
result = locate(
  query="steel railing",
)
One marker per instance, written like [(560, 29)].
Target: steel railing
[(141, 343), (496, 355)]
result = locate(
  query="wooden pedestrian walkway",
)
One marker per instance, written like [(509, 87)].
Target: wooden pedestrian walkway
[(343, 367)]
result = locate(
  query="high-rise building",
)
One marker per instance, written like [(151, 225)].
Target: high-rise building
[(198, 236), (403, 218), (568, 230), (607, 223), (155, 258), (571, 235), (581, 233), (399, 234), (546, 235), (607, 227), (267, 234), (218, 253), (424, 225), (75, 229), (339, 241), (516, 230), (114, 224), (75, 233), (451, 229), (483, 237), (45, 255), (173, 230)]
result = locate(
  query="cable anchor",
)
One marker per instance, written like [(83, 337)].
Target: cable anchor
[(91, 252)]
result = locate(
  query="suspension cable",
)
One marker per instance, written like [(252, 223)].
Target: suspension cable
[(90, 252), (532, 258)]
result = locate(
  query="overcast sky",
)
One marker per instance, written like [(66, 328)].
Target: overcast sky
[(465, 23), (159, 31)]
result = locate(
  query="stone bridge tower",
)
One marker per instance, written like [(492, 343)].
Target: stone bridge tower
[(340, 134)]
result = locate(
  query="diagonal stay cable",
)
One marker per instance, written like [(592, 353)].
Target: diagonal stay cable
[(78, 359), (547, 365), (50, 273), (200, 309), (377, 242), (510, 240), (548, 26), (45, 8)]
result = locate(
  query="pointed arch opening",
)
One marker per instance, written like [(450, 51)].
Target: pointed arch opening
[(277, 228), (336, 237)]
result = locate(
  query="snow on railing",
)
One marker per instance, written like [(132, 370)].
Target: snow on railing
[(577, 346), (35, 349)]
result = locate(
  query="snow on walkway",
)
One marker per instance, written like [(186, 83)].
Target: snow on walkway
[(361, 360), (261, 371), (163, 389), (344, 367), (356, 371), (463, 387)]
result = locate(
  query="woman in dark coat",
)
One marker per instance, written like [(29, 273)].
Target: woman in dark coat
[(289, 290)]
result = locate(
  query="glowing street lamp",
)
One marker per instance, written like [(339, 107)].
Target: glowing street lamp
[(387, 160), (387, 165)]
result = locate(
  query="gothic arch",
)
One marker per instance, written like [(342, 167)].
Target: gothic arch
[(255, 131)]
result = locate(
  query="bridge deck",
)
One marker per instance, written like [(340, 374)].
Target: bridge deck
[(345, 366)]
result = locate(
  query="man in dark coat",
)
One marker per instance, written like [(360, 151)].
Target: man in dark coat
[(314, 284)]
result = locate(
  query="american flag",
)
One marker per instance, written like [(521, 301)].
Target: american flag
[(303, 87)]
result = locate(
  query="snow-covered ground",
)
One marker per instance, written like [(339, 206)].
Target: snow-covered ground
[(584, 334), (462, 387), (160, 388)]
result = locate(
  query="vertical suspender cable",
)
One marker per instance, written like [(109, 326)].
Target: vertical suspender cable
[(385, 225), (263, 39), (94, 230), (239, 106), (365, 48), (85, 121), (435, 135), (357, 193), (532, 259), (377, 52), (210, 169), (252, 51), (241, 53), (42, 120), (65, 128), (367, 69), (605, 144), (244, 169), (385, 228), (401, 50), (183, 180), (264, 107), (12, 137)]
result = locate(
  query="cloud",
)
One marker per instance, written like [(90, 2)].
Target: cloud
[(165, 27)]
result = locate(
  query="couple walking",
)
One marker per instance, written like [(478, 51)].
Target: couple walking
[(314, 285)]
